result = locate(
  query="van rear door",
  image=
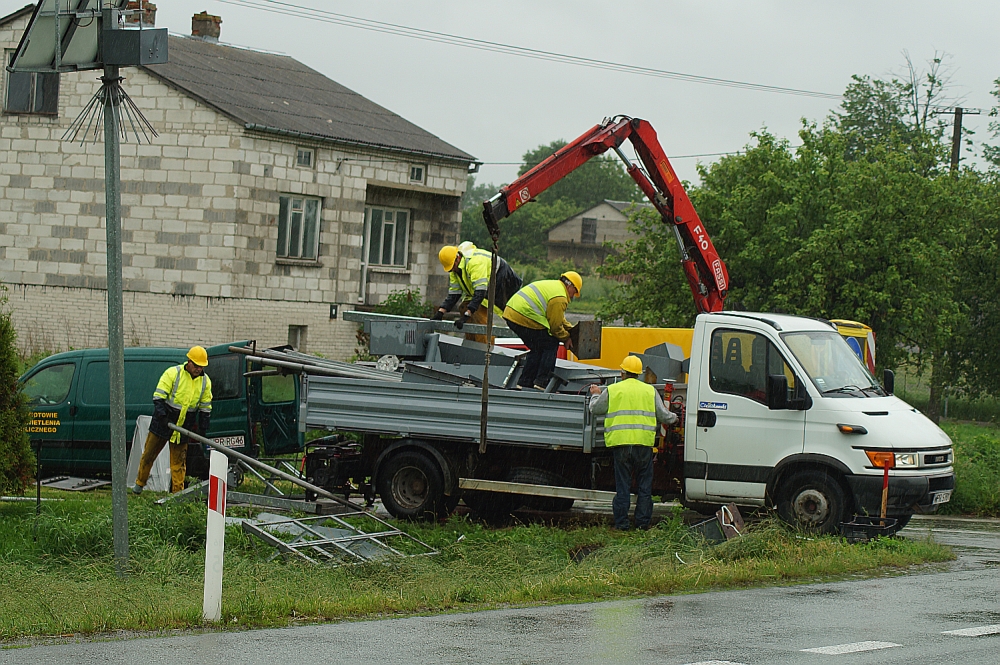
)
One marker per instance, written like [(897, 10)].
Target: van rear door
[(51, 393), (274, 404), (228, 425)]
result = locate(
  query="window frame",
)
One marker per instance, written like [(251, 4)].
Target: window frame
[(585, 238), (312, 157), (34, 80), (423, 174), (286, 227), (370, 246)]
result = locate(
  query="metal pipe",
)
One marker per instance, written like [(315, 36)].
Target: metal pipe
[(116, 336), (250, 461)]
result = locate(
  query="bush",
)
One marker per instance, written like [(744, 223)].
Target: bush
[(407, 302), (17, 461), (977, 471)]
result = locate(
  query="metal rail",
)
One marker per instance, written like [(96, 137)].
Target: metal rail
[(428, 324)]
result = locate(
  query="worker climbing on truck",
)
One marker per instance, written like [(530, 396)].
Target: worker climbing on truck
[(183, 397), (468, 271), (537, 313)]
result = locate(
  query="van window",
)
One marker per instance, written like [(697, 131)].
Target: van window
[(226, 373), (141, 377), (741, 361), (50, 385), (275, 389)]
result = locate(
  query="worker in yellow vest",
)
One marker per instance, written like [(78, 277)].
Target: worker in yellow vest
[(183, 397), (468, 269), (537, 313), (632, 410)]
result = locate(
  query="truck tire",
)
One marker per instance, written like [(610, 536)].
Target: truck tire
[(812, 501), (535, 476), (411, 487), (492, 507)]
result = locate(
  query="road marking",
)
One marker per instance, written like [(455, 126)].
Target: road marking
[(855, 647), (715, 662), (974, 632)]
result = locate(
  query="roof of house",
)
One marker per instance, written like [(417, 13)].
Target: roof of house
[(620, 206), (276, 93), (17, 13)]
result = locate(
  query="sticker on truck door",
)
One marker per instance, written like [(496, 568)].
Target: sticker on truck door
[(718, 406)]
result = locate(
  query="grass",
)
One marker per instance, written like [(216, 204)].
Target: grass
[(64, 583), (596, 291), (977, 469)]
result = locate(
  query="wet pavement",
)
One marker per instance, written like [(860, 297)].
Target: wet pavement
[(946, 613)]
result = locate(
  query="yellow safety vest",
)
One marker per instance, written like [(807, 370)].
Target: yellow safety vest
[(183, 392), (532, 300), (475, 276), (631, 419)]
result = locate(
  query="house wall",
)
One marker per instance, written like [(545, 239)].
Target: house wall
[(564, 238), (199, 226)]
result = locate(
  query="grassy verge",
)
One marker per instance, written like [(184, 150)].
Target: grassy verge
[(977, 469), (65, 583)]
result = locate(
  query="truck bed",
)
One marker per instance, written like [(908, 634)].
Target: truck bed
[(526, 418)]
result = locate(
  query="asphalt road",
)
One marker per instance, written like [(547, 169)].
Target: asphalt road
[(904, 619)]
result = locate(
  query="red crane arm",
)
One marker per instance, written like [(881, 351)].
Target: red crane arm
[(705, 271)]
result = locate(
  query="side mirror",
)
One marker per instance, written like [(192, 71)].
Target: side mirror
[(889, 381), (777, 391)]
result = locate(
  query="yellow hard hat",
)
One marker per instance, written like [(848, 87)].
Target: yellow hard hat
[(198, 355), (574, 279), (632, 365), (447, 257)]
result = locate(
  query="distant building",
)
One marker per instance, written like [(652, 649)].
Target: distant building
[(271, 194), (582, 237)]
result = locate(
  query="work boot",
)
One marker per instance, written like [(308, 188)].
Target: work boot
[(136, 488)]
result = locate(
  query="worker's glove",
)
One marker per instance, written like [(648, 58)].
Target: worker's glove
[(460, 323), (438, 315)]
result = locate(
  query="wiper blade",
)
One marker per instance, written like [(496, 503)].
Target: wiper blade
[(843, 389)]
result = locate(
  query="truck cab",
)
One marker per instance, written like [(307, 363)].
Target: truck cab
[(781, 411)]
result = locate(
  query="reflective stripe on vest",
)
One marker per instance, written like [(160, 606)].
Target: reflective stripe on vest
[(631, 419), (532, 300)]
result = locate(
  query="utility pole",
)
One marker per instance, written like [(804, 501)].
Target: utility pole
[(956, 133)]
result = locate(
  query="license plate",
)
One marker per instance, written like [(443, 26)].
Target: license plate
[(237, 442), (941, 497)]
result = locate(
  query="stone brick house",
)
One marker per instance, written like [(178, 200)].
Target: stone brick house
[(271, 194), (582, 237)]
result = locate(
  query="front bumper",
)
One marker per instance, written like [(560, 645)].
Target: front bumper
[(906, 495)]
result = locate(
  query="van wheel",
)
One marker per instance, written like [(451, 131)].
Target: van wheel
[(411, 487), (812, 501)]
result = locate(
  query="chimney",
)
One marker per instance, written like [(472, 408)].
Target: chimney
[(205, 26), (147, 18)]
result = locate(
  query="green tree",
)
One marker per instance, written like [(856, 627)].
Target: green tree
[(17, 461), (603, 177)]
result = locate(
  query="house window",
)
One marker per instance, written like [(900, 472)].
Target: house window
[(304, 157), (417, 173), (388, 236), (298, 227), (588, 233), (32, 92)]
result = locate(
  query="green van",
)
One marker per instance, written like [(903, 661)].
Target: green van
[(68, 394)]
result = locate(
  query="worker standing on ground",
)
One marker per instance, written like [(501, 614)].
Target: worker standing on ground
[(537, 313), (469, 278), (183, 397), (632, 411)]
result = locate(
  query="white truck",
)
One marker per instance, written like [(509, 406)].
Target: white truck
[(778, 411)]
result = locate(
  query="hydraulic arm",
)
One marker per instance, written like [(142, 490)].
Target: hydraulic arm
[(706, 273)]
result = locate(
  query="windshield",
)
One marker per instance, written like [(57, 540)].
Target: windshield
[(831, 364)]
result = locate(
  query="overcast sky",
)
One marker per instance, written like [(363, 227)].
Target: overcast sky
[(497, 106)]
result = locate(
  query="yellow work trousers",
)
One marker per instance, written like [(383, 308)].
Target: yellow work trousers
[(479, 317), (178, 461)]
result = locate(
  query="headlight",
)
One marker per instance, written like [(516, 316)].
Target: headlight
[(906, 459)]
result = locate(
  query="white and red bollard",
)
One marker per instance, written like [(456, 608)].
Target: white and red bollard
[(215, 536)]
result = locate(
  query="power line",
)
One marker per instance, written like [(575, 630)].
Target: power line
[(324, 16)]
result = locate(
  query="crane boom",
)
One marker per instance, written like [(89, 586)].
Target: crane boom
[(705, 271)]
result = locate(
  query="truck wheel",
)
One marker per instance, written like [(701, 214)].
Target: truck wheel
[(812, 501), (493, 507), (411, 487), (534, 476), (902, 521)]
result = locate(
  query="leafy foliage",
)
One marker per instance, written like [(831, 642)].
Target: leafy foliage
[(405, 302), (17, 461)]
